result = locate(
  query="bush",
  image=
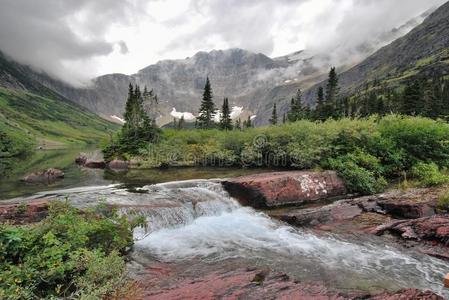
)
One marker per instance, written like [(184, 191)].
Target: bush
[(361, 172), (378, 148), (443, 201), (429, 174), (68, 254)]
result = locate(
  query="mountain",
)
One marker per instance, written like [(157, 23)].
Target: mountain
[(422, 52), (32, 114), (251, 80)]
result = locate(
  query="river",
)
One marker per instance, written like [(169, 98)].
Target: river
[(194, 222)]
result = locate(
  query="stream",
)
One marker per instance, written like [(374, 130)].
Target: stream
[(194, 221)]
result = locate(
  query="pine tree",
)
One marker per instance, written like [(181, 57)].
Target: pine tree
[(248, 123), (238, 124), (330, 104), (412, 103), (332, 88), (181, 123), (225, 119), (319, 109), (297, 110), (207, 108), (274, 116)]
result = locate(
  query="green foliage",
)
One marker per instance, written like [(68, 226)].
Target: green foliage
[(359, 178), (207, 109), (429, 174), (139, 129), (225, 119), (443, 200), (69, 254), (364, 151), (29, 119)]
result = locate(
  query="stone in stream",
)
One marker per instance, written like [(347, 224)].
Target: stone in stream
[(119, 165), (285, 188), (92, 163), (47, 176)]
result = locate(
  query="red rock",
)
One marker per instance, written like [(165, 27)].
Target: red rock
[(118, 165), (435, 228), (285, 188), (408, 294), (23, 213), (95, 164), (48, 176), (446, 281)]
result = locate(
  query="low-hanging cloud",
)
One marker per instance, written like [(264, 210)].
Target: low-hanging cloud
[(64, 38), (51, 34)]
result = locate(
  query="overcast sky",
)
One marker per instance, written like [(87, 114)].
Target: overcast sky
[(78, 39)]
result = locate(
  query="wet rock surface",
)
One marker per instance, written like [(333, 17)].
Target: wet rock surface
[(118, 165), (92, 161), (24, 213), (285, 188), (232, 280), (47, 176)]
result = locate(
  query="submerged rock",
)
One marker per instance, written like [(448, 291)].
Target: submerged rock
[(48, 176), (285, 188)]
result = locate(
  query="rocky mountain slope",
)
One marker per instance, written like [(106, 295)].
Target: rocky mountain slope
[(422, 52)]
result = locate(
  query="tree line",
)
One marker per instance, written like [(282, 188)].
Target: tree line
[(427, 97)]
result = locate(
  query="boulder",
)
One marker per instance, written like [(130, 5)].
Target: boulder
[(285, 188), (118, 165), (93, 161), (48, 176), (24, 213)]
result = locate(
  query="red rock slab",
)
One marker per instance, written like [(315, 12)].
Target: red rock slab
[(285, 188), (24, 213)]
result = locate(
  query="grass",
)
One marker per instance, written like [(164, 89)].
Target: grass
[(31, 120)]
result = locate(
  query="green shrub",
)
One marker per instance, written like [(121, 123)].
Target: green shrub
[(364, 179), (429, 174), (443, 200), (68, 254)]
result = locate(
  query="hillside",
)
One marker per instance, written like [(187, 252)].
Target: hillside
[(423, 52), (30, 119), (34, 115)]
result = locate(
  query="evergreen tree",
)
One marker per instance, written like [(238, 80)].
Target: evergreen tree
[(412, 103), (297, 111), (238, 124), (225, 120), (207, 108), (332, 88), (320, 106), (330, 108), (248, 123), (274, 116), (181, 123)]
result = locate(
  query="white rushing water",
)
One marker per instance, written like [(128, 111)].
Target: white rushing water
[(197, 220)]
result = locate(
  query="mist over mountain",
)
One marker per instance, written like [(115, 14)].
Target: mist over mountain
[(253, 81)]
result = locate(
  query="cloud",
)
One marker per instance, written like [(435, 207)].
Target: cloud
[(75, 39), (50, 35)]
